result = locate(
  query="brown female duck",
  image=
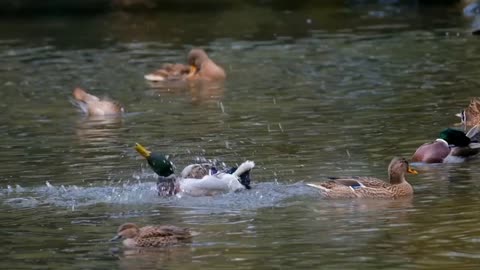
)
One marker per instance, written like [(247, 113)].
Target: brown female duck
[(151, 236), (200, 67), (470, 116), (94, 106), (369, 187)]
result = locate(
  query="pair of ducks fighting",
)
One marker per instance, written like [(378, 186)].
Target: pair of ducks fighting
[(205, 180)]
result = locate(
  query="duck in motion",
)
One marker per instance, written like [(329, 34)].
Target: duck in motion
[(94, 106), (200, 68), (151, 236), (452, 146), (470, 116), (369, 187), (196, 179)]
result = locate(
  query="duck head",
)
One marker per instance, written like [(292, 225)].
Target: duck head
[(455, 137), (196, 57), (158, 162), (125, 231), (397, 169)]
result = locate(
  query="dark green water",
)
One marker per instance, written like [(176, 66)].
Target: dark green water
[(316, 91)]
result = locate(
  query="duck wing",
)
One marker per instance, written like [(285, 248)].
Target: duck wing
[(164, 231), (197, 171), (169, 72)]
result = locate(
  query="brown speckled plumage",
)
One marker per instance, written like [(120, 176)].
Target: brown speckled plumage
[(200, 67), (471, 114), (151, 236), (197, 171), (369, 187), (94, 106)]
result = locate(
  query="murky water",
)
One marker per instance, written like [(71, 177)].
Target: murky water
[(312, 92)]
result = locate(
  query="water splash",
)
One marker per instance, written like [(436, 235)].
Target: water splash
[(135, 192)]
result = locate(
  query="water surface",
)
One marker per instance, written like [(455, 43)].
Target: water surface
[(314, 91)]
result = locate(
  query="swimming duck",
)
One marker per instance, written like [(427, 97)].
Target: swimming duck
[(196, 179), (470, 116), (369, 187), (151, 236), (94, 106), (452, 146), (200, 67)]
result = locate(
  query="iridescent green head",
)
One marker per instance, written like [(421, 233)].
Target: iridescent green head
[(455, 137), (158, 162)]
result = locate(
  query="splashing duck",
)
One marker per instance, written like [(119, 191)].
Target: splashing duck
[(200, 67), (452, 146), (369, 187), (151, 236), (470, 116), (196, 179), (94, 106)]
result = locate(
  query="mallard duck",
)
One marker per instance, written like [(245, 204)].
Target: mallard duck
[(200, 67), (151, 236), (196, 179), (452, 146), (369, 187), (94, 106), (470, 116)]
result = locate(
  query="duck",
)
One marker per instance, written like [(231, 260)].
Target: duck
[(196, 179), (452, 146), (200, 68), (470, 116), (94, 106), (151, 236), (369, 187)]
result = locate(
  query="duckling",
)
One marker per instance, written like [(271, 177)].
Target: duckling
[(94, 106), (452, 146), (196, 179), (369, 187), (470, 116), (151, 236), (200, 67)]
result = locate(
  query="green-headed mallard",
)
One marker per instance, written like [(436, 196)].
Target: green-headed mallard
[(369, 187), (196, 179), (94, 106), (452, 146), (200, 67), (151, 236), (470, 116)]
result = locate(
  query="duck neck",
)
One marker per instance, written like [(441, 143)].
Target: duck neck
[(396, 178), (442, 141)]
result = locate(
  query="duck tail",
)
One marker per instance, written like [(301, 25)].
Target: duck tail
[(474, 134), (243, 172), (81, 95), (322, 188)]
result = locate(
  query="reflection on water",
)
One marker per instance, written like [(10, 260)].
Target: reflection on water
[(313, 91), (199, 92)]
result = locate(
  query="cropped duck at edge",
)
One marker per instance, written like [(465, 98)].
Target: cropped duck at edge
[(200, 67), (94, 106), (452, 146), (369, 187), (196, 179), (151, 236), (470, 116)]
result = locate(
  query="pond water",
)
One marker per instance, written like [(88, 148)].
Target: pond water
[(313, 91)]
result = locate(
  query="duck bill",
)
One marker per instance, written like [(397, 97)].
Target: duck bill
[(412, 171), (142, 150), (115, 238), (193, 70)]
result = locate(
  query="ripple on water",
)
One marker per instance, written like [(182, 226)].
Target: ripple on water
[(268, 194)]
